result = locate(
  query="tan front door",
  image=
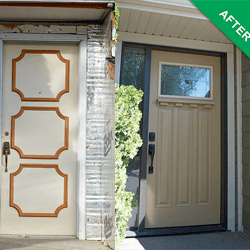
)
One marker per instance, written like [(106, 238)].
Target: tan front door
[(184, 113), (38, 193)]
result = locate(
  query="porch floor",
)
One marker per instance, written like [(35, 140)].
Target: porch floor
[(7, 243), (218, 240)]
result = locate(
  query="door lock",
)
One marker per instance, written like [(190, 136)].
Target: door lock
[(151, 151), (6, 152), (151, 136)]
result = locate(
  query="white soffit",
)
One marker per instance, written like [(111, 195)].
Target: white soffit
[(167, 18), (178, 7)]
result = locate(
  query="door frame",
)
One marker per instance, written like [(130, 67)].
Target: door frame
[(227, 128), (82, 111)]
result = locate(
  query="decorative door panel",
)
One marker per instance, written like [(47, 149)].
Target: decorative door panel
[(48, 184), (46, 132), (40, 122), (204, 150), (184, 113), (40, 75)]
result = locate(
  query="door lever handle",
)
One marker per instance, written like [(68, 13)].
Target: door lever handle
[(151, 151), (6, 152)]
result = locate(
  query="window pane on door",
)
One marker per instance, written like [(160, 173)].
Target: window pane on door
[(133, 66), (185, 81), (132, 73)]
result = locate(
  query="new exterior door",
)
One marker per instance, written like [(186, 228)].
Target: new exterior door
[(38, 191), (185, 114)]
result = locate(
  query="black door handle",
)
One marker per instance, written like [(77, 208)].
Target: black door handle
[(6, 152), (151, 151)]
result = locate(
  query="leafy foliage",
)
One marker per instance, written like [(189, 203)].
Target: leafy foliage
[(117, 16), (127, 142)]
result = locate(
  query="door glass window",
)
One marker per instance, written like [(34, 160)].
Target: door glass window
[(133, 66), (185, 81), (132, 74)]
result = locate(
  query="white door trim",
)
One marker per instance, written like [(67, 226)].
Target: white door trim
[(213, 47), (118, 57), (42, 37), (1, 107), (82, 88), (230, 144), (81, 152), (175, 42), (239, 136)]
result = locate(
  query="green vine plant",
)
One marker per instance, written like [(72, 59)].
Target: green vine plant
[(117, 16), (127, 143)]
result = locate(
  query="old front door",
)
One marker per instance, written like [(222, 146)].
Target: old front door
[(184, 114), (38, 191)]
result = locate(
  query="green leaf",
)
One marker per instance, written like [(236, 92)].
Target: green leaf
[(127, 143)]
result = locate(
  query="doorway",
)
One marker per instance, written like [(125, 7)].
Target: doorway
[(38, 191), (183, 188), (143, 225)]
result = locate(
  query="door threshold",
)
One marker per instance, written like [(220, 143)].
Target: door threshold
[(175, 231)]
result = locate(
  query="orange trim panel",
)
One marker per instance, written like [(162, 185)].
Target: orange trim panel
[(66, 142), (35, 99), (21, 213)]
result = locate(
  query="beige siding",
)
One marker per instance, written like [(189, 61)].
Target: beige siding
[(246, 141)]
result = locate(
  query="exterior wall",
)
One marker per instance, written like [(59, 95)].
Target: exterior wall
[(100, 160), (246, 141)]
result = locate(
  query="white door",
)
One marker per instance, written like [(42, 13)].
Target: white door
[(38, 193), (184, 112)]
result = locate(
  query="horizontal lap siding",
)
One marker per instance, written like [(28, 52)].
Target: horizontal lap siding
[(246, 141)]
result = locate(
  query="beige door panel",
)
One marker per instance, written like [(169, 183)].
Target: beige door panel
[(184, 188)]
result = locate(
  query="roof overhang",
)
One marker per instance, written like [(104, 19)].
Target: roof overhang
[(55, 11), (178, 7), (167, 18)]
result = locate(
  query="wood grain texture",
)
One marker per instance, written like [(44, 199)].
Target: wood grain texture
[(21, 213), (35, 99), (66, 142)]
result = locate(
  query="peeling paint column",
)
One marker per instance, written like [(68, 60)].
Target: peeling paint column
[(100, 160)]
